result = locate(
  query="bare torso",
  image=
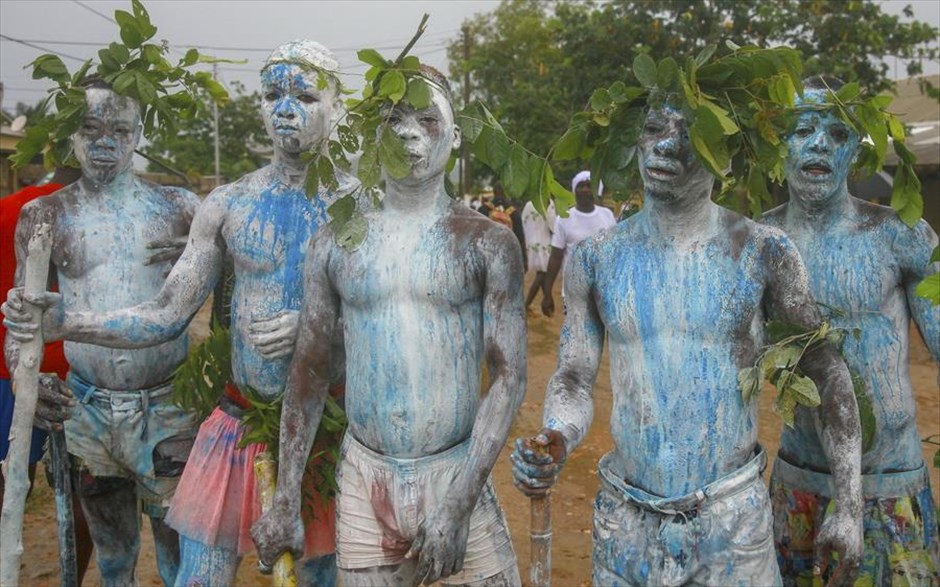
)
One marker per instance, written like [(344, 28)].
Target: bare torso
[(857, 267), (412, 305), (99, 250), (681, 321)]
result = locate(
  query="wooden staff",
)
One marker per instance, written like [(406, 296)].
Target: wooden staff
[(65, 516), (540, 533), (26, 391), (266, 478)]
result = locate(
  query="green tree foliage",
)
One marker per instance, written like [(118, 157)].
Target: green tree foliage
[(241, 137), (537, 63)]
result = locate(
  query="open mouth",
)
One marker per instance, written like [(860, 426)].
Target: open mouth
[(661, 172), (816, 168)]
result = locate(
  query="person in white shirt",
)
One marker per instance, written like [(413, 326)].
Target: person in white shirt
[(584, 220), (538, 245)]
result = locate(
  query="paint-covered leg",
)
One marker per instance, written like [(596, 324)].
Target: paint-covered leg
[(385, 576), (317, 571), (508, 578), (110, 506), (204, 566), (167, 545)]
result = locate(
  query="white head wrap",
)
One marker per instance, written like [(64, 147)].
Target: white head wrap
[(585, 176), (305, 54)]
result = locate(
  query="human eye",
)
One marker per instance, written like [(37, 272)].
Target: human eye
[(803, 131), (307, 99), (272, 96), (839, 133)]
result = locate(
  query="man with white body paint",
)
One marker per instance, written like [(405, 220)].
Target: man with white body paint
[(127, 441), (681, 290), (433, 290), (864, 262), (264, 222)]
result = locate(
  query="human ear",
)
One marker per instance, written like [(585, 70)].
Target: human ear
[(457, 136)]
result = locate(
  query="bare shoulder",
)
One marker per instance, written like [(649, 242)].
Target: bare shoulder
[(775, 216), (52, 207)]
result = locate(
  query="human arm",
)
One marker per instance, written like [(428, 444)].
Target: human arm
[(569, 405), (836, 419), (555, 259), (913, 249), (281, 528), (440, 543)]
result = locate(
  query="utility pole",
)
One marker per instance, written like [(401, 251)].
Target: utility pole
[(215, 121), (466, 181)]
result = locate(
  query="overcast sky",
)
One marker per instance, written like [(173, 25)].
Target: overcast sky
[(243, 29)]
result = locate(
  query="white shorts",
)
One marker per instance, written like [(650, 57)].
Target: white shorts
[(382, 501)]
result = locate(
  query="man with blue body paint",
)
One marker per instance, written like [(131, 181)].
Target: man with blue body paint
[(864, 263), (682, 290), (114, 235), (263, 222), (433, 291)]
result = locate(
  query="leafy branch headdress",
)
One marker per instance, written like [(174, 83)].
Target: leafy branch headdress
[(739, 107), (134, 68)]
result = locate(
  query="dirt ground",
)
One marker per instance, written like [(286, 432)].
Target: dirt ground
[(571, 501)]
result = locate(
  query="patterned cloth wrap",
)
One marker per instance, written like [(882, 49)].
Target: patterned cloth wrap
[(217, 499), (901, 544)]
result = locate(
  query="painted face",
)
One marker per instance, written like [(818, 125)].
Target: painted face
[(668, 165), (822, 149), (296, 114), (104, 144), (429, 134)]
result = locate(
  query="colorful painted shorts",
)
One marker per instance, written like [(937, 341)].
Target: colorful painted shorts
[(901, 545), (139, 435), (721, 534), (383, 500), (218, 499)]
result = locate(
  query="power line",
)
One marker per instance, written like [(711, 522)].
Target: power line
[(33, 46), (93, 11)]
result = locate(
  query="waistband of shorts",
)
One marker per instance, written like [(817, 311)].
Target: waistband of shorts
[(429, 463), (879, 485), (728, 485), (86, 391)]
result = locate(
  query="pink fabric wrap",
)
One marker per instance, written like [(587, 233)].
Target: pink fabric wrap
[(217, 500)]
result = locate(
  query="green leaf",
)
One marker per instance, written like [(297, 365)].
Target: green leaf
[(804, 390), (786, 407), (470, 126), (866, 412), (935, 255), (848, 92), (749, 382), (393, 86), (418, 94), (411, 63), (130, 31), (191, 57), (778, 330), (373, 58), (929, 289), (342, 209), (667, 74), (705, 54), (146, 91), (906, 198), (601, 99), (644, 68), (492, 148), (728, 127), (515, 174), (784, 357), (351, 233), (393, 155), (571, 144), (123, 81), (152, 54), (895, 128), (757, 191)]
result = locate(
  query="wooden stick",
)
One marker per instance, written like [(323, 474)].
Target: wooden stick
[(26, 390), (266, 478), (540, 536), (65, 516)]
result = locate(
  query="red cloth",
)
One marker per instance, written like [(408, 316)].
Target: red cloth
[(53, 358)]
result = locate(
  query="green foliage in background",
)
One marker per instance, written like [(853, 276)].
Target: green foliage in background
[(242, 138), (134, 68), (929, 287)]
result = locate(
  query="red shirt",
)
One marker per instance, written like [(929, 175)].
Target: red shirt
[(53, 359)]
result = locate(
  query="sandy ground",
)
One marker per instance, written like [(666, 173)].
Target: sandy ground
[(571, 501)]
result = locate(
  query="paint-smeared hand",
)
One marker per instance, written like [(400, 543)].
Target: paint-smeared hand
[(548, 305), (537, 461), (277, 531), (274, 336), (441, 541), (19, 322), (55, 402), (168, 249), (841, 532)]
